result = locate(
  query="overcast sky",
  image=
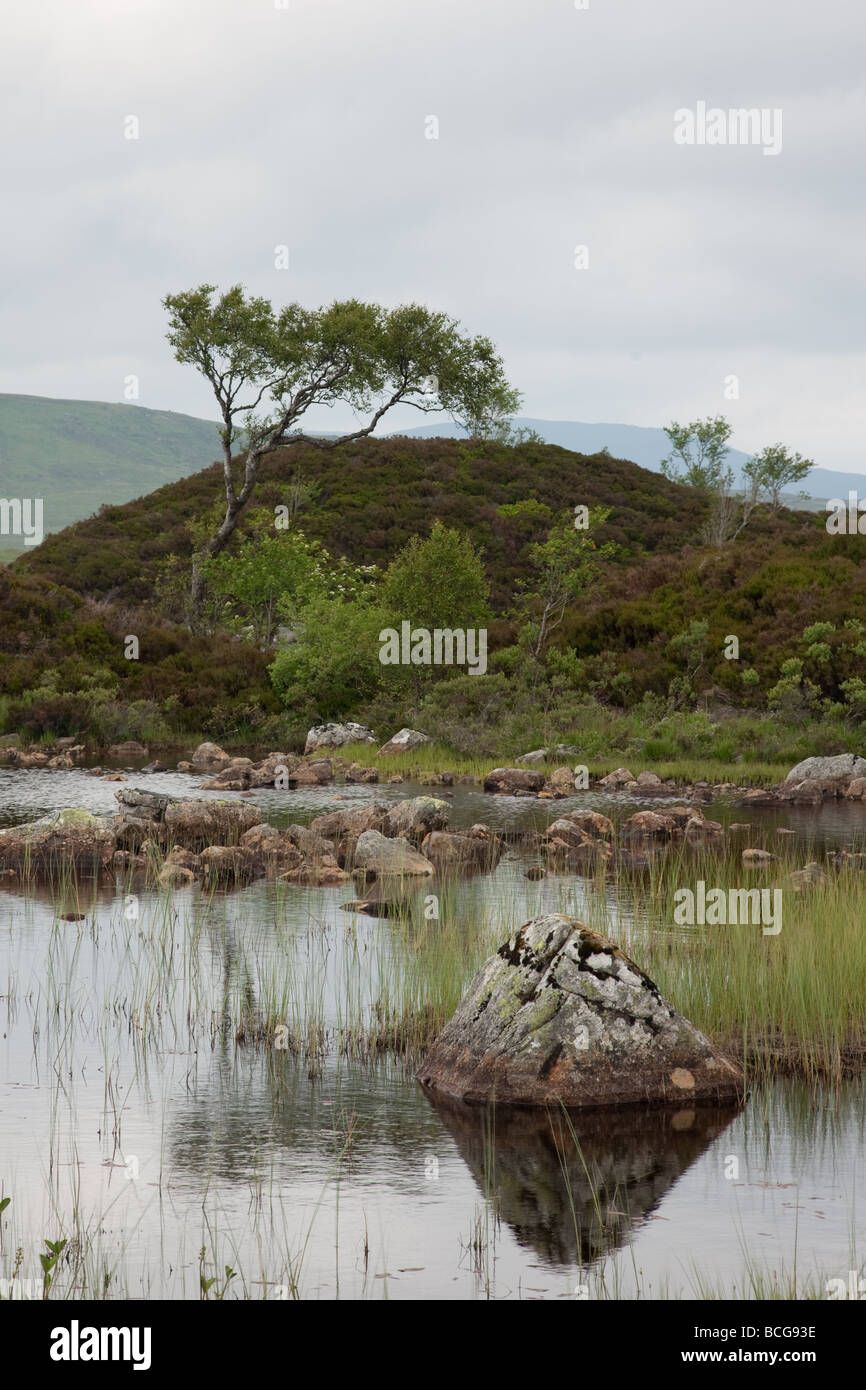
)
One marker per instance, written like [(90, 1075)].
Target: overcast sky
[(307, 126)]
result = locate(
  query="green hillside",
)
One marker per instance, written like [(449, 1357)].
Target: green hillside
[(623, 674), (79, 455)]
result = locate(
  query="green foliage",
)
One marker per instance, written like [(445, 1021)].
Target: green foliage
[(437, 582), (334, 664), (774, 469)]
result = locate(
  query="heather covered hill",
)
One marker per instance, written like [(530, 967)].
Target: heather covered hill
[(641, 642), (371, 497)]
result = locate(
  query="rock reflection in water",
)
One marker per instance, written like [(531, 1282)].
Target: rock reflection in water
[(572, 1186)]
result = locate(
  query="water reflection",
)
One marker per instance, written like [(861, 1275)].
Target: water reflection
[(572, 1187)]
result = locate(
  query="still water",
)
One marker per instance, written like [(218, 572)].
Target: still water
[(134, 1125)]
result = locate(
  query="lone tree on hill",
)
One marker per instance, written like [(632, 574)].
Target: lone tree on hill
[(267, 368)]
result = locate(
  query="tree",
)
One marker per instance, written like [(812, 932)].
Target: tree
[(267, 368), (774, 469), (698, 458), (698, 453), (437, 582), (565, 565), (273, 570)]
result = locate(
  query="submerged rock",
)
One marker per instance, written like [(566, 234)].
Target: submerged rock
[(561, 1016), (514, 781), (476, 849)]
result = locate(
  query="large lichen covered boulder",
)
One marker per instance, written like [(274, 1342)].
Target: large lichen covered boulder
[(417, 817), (375, 854), (197, 825), (561, 1016)]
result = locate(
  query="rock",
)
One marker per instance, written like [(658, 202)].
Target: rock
[(737, 827), (314, 774), (809, 793), (394, 778), (856, 790), (362, 775), (311, 844), (276, 766), (209, 757), (757, 858), (155, 766), (72, 840), (783, 830), (417, 817), (151, 805), (378, 855), (592, 823), (316, 875), (619, 778), (438, 779), (537, 755), (567, 846), (336, 735), (760, 796), (513, 781), (839, 767), (560, 1016), (698, 831), (648, 779), (113, 777), (402, 742), (175, 876), (534, 873), (811, 876), (183, 859), (478, 850), (185, 767), (130, 749), (562, 778), (197, 825), (61, 761), (227, 865), (344, 827), (647, 825)]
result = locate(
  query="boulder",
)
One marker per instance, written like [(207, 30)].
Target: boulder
[(342, 828), (402, 742), (592, 823), (514, 781), (130, 749), (336, 735), (567, 846), (197, 825), (209, 757), (323, 875), (614, 780), (562, 779), (648, 779), (73, 840), (148, 805), (374, 854), (810, 876), (856, 789), (364, 776), (478, 850), (227, 865), (314, 774), (757, 858), (175, 876), (417, 817), (311, 844), (840, 767), (647, 825), (560, 1016)]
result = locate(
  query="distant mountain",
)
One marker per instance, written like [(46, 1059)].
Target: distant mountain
[(78, 455), (647, 446)]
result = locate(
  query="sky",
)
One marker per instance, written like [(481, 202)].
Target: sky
[(453, 152)]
